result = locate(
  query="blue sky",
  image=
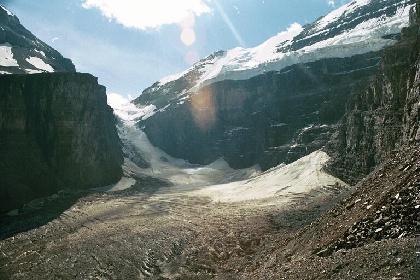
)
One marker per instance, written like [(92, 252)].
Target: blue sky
[(129, 44)]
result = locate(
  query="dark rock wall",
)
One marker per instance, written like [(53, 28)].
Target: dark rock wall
[(383, 117), (272, 118), (56, 131)]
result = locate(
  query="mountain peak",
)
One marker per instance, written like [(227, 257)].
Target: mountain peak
[(23, 53), (358, 27), (9, 13)]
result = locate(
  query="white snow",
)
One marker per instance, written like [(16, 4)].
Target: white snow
[(284, 181), (123, 184), (41, 53), (4, 72), (171, 78), (7, 11), (336, 14), (246, 58), (40, 64), (243, 63), (6, 56), (368, 36), (241, 59), (32, 71), (128, 111)]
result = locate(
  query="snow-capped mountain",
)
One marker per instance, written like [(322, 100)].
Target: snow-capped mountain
[(358, 27), (22, 53), (276, 102)]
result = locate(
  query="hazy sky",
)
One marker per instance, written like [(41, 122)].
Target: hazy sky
[(130, 44)]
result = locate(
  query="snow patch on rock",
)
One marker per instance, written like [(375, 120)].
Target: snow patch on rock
[(336, 14), (6, 56), (40, 64), (7, 11)]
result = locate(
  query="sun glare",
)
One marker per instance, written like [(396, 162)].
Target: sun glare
[(188, 36)]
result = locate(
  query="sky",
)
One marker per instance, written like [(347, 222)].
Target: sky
[(130, 44)]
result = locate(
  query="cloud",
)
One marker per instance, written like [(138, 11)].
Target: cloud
[(331, 3), (148, 14), (116, 101)]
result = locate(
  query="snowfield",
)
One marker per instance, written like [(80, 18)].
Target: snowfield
[(40, 64), (283, 181)]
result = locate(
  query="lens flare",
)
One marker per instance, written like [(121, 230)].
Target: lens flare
[(188, 36), (230, 24), (203, 109)]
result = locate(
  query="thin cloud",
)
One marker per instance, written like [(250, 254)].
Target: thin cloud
[(148, 14)]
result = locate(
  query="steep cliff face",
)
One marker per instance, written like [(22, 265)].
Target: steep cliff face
[(56, 131), (269, 119), (385, 116)]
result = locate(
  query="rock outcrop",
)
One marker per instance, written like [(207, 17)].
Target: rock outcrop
[(385, 116), (56, 132)]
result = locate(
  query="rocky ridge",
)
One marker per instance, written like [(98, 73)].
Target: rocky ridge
[(21, 52)]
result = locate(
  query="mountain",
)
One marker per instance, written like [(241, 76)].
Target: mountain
[(356, 28), (56, 130), (21, 52), (278, 101)]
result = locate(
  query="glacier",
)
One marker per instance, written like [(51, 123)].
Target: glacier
[(243, 63)]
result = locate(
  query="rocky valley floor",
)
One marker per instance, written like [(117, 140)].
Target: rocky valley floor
[(167, 219), (167, 233)]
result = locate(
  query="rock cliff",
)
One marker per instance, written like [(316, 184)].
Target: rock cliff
[(269, 119), (56, 132), (385, 116)]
